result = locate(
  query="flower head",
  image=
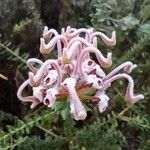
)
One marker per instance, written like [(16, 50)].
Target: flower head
[(74, 72)]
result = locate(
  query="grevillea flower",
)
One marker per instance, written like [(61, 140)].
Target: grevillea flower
[(74, 72)]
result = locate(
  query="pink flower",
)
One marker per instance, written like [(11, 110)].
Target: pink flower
[(74, 73), (77, 109)]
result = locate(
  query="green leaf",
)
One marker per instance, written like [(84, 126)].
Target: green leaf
[(65, 113), (145, 12), (143, 29), (59, 105), (130, 22)]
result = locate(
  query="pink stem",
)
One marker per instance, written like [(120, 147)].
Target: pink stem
[(47, 34), (46, 48), (129, 92), (95, 42), (105, 62), (106, 40), (122, 66), (78, 39), (33, 60), (28, 98), (73, 49), (78, 32), (74, 99)]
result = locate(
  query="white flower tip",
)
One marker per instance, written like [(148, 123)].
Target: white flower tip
[(134, 66), (91, 30), (109, 58), (31, 74), (45, 29), (142, 96), (68, 28), (82, 115), (33, 105), (128, 69), (103, 102), (37, 93), (102, 106), (95, 42), (70, 81), (102, 109), (113, 43), (42, 40), (114, 34), (135, 98), (109, 55), (31, 78), (139, 97), (62, 30), (42, 45)]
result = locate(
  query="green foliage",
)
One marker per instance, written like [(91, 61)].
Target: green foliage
[(101, 134), (43, 144), (9, 54), (104, 132), (108, 15), (145, 145), (76, 13), (13, 12), (136, 50), (19, 20), (145, 11), (16, 134)]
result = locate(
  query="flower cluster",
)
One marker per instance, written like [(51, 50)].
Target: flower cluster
[(74, 72)]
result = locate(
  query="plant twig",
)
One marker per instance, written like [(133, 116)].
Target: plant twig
[(118, 92), (49, 132), (14, 54), (3, 77), (11, 147), (122, 112)]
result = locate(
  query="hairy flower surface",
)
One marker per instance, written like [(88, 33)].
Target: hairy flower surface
[(74, 72)]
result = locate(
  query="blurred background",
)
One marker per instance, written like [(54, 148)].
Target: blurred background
[(21, 26)]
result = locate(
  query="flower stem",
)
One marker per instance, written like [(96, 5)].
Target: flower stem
[(49, 132)]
